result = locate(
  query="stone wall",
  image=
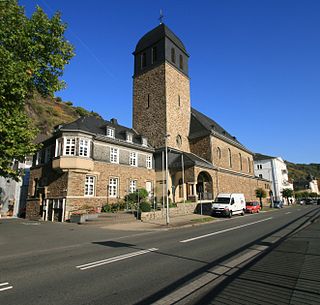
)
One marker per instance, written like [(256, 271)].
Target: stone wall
[(181, 209), (33, 209), (149, 105), (235, 156), (102, 172), (202, 147), (178, 107)]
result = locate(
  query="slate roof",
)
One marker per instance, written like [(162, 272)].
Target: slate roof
[(189, 159), (258, 157), (158, 33), (97, 126), (201, 125)]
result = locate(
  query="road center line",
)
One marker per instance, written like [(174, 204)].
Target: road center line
[(223, 231), (5, 288), (114, 259), (288, 212)]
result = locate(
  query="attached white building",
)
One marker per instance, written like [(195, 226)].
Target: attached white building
[(13, 194), (275, 170), (313, 186)]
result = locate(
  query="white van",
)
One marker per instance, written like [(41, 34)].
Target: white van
[(228, 204)]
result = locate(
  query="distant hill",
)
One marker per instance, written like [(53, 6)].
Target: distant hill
[(300, 174), (49, 112)]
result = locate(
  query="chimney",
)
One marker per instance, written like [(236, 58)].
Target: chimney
[(114, 121)]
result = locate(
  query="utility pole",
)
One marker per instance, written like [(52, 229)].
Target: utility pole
[(167, 179)]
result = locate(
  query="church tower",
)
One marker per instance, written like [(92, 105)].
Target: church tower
[(161, 89)]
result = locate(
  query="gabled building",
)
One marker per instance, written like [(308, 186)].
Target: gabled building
[(275, 170), (91, 162)]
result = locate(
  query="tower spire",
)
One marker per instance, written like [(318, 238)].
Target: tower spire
[(161, 17)]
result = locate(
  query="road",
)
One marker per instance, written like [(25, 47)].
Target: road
[(57, 263)]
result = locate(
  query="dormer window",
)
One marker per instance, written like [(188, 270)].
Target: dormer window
[(154, 54), (110, 132), (144, 141), (129, 137), (173, 55), (143, 60), (181, 62)]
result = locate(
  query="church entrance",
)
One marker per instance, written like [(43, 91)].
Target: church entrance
[(204, 186)]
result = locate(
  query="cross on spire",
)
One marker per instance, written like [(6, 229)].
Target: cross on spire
[(161, 16)]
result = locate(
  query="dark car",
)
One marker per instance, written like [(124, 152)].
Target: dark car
[(253, 207), (278, 204)]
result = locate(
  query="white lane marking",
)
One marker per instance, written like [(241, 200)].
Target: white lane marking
[(5, 288), (288, 212), (114, 259), (223, 231)]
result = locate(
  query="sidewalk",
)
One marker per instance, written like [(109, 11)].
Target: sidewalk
[(174, 222), (288, 274)]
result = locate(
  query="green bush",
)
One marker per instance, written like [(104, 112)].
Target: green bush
[(112, 208), (69, 103), (145, 206), (142, 194)]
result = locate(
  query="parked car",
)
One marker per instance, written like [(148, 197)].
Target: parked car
[(253, 207), (278, 204), (229, 204)]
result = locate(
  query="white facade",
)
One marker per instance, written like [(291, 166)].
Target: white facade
[(275, 170), (13, 193), (313, 186)]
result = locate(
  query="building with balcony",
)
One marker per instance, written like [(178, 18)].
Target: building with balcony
[(275, 170)]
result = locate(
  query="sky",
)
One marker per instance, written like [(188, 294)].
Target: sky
[(254, 66)]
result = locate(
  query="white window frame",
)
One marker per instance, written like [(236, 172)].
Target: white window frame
[(59, 147), (84, 147), (110, 132), (113, 187), (89, 186), (129, 137), (114, 155), (133, 186), (69, 146), (149, 161), (144, 141), (133, 158)]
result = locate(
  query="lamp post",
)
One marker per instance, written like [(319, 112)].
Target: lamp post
[(167, 179)]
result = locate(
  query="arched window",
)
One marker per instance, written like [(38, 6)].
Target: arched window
[(218, 153), (240, 161), (181, 62), (249, 167), (148, 101), (230, 157), (173, 55)]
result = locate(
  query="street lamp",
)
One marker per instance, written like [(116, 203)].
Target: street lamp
[(167, 179)]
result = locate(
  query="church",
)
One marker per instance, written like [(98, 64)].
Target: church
[(92, 162)]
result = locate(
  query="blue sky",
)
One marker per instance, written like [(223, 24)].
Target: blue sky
[(254, 65)]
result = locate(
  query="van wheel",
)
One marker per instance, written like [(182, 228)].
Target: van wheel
[(242, 214), (230, 214)]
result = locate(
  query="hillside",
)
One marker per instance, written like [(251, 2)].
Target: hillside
[(49, 112), (46, 113), (300, 174)]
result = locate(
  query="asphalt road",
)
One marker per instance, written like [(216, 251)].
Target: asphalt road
[(57, 263)]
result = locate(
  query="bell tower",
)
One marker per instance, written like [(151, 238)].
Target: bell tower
[(161, 89)]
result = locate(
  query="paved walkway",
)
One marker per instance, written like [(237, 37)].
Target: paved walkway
[(174, 222), (288, 274)]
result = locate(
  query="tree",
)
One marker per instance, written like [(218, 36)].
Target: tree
[(287, 193), (261, 193), (33, 53)]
